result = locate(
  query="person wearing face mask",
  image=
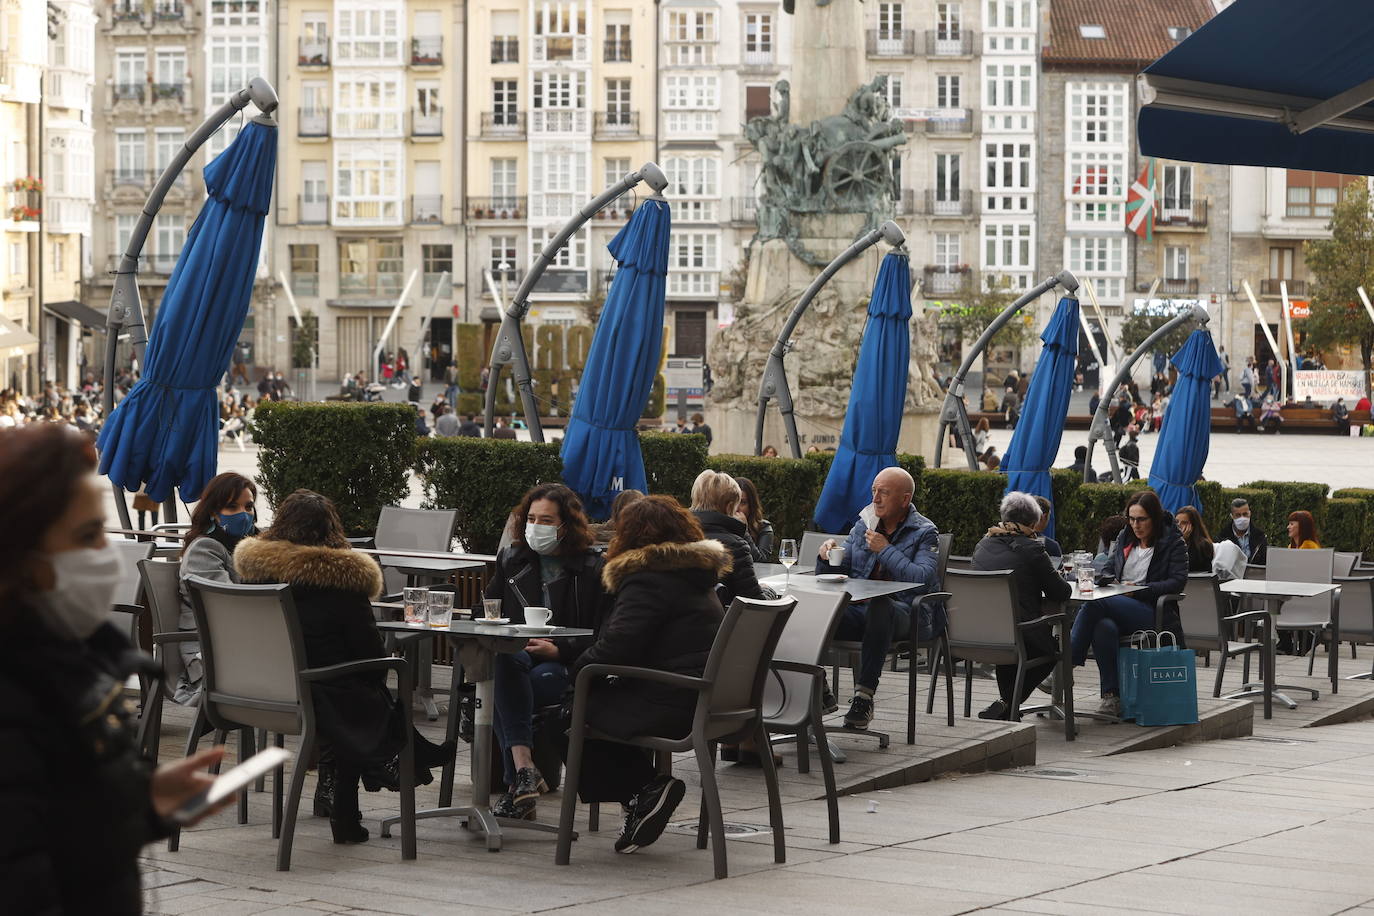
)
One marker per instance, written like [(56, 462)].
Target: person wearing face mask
[(78, 798), (1239, 531), (549, 563), (223, 516)]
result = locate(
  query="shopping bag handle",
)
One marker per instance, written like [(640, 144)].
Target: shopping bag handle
[(1141, 638), (1159, 641)]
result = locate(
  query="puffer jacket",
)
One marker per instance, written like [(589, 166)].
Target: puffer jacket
[(740, 581), (1167, 573)]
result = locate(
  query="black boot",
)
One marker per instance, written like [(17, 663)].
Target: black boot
[(324, 786), (345, 822)]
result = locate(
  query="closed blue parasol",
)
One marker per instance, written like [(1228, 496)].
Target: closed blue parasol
[(1035, 442), (164, 434), (877, 400), (1185, 436), (600, 451)]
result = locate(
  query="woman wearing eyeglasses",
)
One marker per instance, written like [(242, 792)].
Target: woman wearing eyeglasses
[(1149, 552)]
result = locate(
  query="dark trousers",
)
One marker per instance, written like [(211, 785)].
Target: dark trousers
[(347, 774), (1101, 624), (1040, 641), (875, 623), (612, 772), (523, 684)]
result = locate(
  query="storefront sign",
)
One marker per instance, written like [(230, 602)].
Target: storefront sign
[(1299, 308), (1325, 385)]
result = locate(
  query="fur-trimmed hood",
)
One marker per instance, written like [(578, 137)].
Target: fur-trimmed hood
[(257, 560), (708, 556)]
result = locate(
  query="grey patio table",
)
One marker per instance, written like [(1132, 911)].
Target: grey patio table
[(859, 589), (1274, 593), (1077, 598), (477, 646)]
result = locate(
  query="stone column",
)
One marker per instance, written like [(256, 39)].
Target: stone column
[(827, 57)]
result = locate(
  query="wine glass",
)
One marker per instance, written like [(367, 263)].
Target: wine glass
[(787, 556)]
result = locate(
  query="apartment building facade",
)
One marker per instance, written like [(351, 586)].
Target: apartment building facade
[(369, 177)]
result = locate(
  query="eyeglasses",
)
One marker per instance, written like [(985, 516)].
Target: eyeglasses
[(1137, 519)]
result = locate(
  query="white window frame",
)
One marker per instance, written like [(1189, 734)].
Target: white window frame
[(692, 176), (1176, 258), (687, 25), (891, 19), (248, 14), (505, 178), (167, 142), (368, 103), (759, 34), (946, 249), (369, 180), (1008, 246), (1096, 114), (948, 91), (892, 89), (1176, 190), (169, 234), (691, 92), (131, 150), (170, 66), (368, 32), (559, 90), (1009, 15), (1009, 85), (694, 250), (949, 18), (1101, 258), (131, 67), (502, 249), (572, 256), (124, 225), (1009, 166)]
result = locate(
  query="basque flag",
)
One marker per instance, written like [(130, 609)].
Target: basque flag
[(1140, 204)]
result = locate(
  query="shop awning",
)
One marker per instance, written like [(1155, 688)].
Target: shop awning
[(1267, 83), (78, 312), (15, 341)]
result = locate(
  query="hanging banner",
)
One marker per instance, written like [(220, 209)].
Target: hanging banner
[(1325, 385)]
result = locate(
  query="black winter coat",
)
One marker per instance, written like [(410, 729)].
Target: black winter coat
[(1259, 544), (1167, 573), (740, 581), (764, 547), (576, 597), (665, 617), (332, 589), (1033, 572), (75, 793)]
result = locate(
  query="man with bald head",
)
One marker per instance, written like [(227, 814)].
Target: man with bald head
[(892, 542)]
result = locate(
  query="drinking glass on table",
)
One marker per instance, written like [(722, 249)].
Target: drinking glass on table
[(416, 602), (440, 608), (491, 608), (1084, 569), (787, 556)]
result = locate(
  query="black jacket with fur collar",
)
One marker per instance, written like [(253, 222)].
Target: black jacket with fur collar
[(665, 617)]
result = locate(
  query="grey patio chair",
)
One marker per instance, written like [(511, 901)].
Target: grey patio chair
[(811, 541), (729, 708), (959, 562), (256, 676), (1344, 563), (792, 692), (1312, 615), (1207, 624), (1357, 615), (985, 626), (128, 602), (161, 588)]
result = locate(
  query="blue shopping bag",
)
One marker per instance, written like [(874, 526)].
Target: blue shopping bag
[(1127, 670), (1166, 685)]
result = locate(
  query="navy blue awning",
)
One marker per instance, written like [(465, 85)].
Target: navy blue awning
[(1267, 82)]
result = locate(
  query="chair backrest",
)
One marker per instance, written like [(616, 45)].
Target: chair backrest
[(1357, 606), (945, 542), (982, 609), (811, 544), (811, 627), (130, 585), (415, 529), (738, 664), (162, 590), (958, 562), (1201, 611), (1345, 563), (1286, 564), (252, 650)]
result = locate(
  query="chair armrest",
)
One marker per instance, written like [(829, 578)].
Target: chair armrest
[(329, 672), (797, 667), (933, 596), (642, 674), (1354, 579), (1248, 615), (160, 639), (367, 543), (1043, 618)]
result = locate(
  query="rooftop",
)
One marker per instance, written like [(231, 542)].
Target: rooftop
[(1118, 35)]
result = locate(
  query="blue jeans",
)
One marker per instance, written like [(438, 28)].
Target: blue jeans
[(875, 623), (523, 684), (1101, 624), (451, 395)]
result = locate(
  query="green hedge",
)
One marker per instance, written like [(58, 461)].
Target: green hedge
[(1345, 524), (672, 462), (1209, 494), (1097, 501), (1068, 509), (1261, 510), (484, 479), (358, 455), (787, 487), (1367, 497), (1291, 496), (963, 503)]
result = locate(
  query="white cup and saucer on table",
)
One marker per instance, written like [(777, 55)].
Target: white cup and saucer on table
[(537, 620), (835, 557), (491, 613)]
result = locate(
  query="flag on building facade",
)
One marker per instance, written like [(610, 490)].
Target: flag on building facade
[(1140, 204)]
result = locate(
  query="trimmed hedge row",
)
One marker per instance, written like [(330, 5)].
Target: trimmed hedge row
[(1292, 496), (963, 503), (1261, 509), (1367, 497), (484, 479), (672, 462)]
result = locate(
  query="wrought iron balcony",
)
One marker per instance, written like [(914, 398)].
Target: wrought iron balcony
[(744, 209), (620, 123), (427, 51), (427, 122), (504, 124), (498, 208), (1182, 213), (169, 92), (616, 52), (427, 209), (891, 43), (1271, 287), (951, 121), (312, 53), (1178, 287), (958, 44), (128, 92), (943, 202), (505, 50)]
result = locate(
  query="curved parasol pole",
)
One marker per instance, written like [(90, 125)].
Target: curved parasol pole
[(125, 316), (774, 384), (509, 347), (1099, 428), (954, 413)]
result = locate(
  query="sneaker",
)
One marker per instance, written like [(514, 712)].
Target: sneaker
[(860, 712), (1110, 706), (648, 813), (998, 710)]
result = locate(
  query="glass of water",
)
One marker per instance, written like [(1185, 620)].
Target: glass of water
[(787, 556), (416, 602), (440, 608)]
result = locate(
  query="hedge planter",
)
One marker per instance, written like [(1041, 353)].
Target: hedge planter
[(484, 479), (1289, 497)]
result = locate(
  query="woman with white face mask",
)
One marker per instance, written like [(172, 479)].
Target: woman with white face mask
[(78, 798), (549, 563)]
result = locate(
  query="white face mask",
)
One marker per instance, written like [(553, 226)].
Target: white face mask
[(86, 582), (543, 539), (1241, 524)]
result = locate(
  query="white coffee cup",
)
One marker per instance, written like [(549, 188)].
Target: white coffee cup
[(537, 616), (835, 556)]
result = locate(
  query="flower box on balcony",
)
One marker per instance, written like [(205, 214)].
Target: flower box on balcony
[(28, 184)]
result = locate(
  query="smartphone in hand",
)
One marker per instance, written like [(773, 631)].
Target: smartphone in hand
[(229, 783)]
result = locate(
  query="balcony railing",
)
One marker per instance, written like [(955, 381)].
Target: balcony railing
[(904, 204), (168, 11), (427, 122), (305, 284), (1270, 287), (130, 178), (312, 122), (503, 208), (503, 124), (24, 206), (567, 281), (505, 50), (370, 284), (695, 283), (744, 209), (427, 209), (695, 210), (128, 92), (622, 123), (939, 280), (618, 209), (891, 43), (1183, 213), (951, 121), (312, 211), (161, 264), (1177, 287), (960, 44), (427, 51), (127, 12), (169, 92), (690, 54), (936, 202), (558, 121), (616, 52), (761, 58), (312, 53), (560, 47)]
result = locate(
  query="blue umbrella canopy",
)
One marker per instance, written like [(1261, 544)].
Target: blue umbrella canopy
[(1035, 442), (877, 400), (601, 455), (1185, 436), (164, 434)]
